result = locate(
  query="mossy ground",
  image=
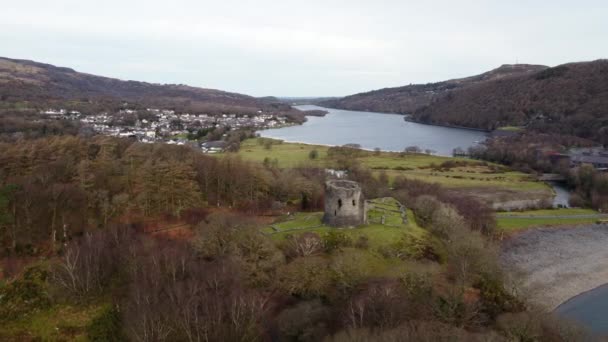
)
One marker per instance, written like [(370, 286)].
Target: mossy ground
[(62, 322)]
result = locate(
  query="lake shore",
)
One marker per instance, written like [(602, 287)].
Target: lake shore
[(389, 132), (557, 264), (408, 118)]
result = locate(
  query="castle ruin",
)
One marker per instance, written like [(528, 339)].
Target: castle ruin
[(344, 204)]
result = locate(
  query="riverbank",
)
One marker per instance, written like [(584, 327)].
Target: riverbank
[(556, 264), (407, 118)]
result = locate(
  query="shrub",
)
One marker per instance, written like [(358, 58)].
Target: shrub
[(495, 298), (408, 247), (334, 240), (425, 206), (25, 295), (302, 245), (470, 256), (268, 144), (443, 219), (362, 242), (86, 266), (379, 304), (304, 322), (350, 268), (576, 201), (306, 277), (106, 327)]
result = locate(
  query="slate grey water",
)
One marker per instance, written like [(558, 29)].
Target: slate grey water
[(562, 195), (388, 132), (590, 309)]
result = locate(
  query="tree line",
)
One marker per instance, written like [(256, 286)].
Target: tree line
[(63, 185), (230, 281)]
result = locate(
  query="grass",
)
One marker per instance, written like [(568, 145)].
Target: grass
[(287, 154), (550, 212), (510, 128), (378, 234), (510, 224), (181, 136), (59, 323), (392, 160), (297, 221), (515, 221), (472, 179), (371, 264), (413, 166)]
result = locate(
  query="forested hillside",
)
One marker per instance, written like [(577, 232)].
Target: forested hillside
[(36, 85), (406, 99), (71, 183), (567, 99)]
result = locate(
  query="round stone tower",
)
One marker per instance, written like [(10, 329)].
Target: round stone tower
[(344, 204)]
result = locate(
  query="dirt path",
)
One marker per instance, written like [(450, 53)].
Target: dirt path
[(559, 263)]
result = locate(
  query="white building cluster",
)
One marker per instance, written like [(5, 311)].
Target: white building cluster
[(160, 125)]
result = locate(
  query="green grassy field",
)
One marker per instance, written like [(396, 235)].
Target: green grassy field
[(550, 212), (378, 234), (515, 221), (514, 224), (413, 166), (287, 154)]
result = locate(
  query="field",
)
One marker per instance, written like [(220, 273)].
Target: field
[(516, 221), (490, 182), (387, 224)]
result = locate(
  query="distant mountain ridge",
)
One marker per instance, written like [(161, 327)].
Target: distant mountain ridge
[(567, 99), (407, 99), (570, 99), (39, 83)]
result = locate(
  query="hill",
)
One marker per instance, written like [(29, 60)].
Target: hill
[(407, 99), (566, 99), (25, 83)]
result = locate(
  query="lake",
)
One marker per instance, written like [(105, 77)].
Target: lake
[(590, 309), (389, 132)]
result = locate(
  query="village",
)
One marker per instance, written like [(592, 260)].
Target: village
[(166, 126)]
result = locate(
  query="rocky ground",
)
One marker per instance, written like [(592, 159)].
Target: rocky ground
[(558, 263)]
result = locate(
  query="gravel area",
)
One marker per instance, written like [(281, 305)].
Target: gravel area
[(558, 263)]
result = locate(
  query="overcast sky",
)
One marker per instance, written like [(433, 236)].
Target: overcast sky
[(300, 48)]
